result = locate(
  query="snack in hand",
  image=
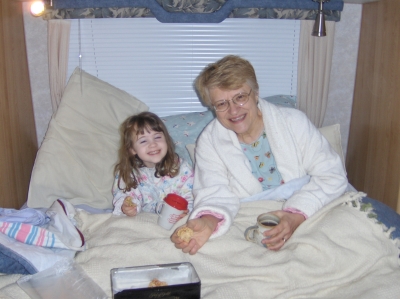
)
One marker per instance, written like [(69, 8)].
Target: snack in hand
[(156, 283), (128, 201), (185, 233)]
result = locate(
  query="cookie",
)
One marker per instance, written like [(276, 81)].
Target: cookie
[(128, 201), (185, 233), (156, 283)]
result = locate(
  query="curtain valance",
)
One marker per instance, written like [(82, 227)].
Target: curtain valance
[(193, 11)]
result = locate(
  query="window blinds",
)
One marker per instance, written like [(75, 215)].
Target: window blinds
[(158, 63)]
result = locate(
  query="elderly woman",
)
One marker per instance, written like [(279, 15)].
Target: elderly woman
[(252, 146)]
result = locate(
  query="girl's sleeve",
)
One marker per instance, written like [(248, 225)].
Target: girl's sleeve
[(119, 197), (185, 186)]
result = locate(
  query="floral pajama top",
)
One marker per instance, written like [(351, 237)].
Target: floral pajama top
[(151, 190)]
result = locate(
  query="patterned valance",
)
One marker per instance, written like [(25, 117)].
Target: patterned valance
[(193, 11)]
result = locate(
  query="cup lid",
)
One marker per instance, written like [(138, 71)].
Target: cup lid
[(176, 201)]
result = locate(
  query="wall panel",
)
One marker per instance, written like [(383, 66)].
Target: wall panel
[(18, 142)]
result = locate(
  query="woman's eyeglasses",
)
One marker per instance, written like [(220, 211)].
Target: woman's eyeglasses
[(239, 99)]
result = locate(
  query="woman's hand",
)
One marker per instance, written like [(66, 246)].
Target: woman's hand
[(289, 222), (202, 230), (128, 207)]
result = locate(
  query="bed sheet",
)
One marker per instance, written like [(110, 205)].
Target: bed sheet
[(340, 252)]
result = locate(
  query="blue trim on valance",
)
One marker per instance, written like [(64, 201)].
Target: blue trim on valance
[(229, 5), (191, 11)]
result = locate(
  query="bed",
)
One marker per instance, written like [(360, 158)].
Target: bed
[(349, 249)]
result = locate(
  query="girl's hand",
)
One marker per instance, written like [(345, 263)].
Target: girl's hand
[(184, 214), (128, 207), (289, 222), (202, 230)]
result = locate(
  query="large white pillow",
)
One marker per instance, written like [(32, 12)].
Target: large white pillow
[(331, 133), (76, 159)]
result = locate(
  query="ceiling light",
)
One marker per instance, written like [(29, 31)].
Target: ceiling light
[(39, 7)]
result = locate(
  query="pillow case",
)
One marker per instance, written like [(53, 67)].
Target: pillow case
[(185, 128), (76, 159)]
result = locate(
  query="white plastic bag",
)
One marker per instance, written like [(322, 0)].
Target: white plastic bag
[(65, 280), (62, 225)]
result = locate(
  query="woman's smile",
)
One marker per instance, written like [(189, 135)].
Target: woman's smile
[(245, 120), (238, 119)]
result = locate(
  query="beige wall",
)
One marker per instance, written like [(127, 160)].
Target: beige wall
[(341, 85), (36, 43), (343, 73)]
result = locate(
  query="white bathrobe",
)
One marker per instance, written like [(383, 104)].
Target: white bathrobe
[(223, 173)]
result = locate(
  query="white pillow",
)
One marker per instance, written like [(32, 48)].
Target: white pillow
[(331, 133), (76, 159)]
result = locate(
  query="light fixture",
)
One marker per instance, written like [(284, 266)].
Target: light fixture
[(319, 25), (39, 7)]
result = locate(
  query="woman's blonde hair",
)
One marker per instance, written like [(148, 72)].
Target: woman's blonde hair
[(128, 165), (228, 73)]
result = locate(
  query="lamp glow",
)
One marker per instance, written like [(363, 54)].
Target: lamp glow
[(37, 8)]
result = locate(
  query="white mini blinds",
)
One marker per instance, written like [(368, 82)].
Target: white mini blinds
[(158, 62)]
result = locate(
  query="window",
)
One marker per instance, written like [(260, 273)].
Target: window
[(158, 62)]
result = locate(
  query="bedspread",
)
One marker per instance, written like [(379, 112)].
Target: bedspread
[(338, 253)]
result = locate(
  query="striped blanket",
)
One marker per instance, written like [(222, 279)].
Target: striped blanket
[(31, 234), (59, 232)]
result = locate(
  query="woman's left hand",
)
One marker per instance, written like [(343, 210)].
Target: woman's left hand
[(289, 222), (202, 230)]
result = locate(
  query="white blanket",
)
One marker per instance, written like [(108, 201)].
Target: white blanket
[(337, 253)]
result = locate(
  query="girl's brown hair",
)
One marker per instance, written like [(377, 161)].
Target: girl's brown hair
[(128, 164)]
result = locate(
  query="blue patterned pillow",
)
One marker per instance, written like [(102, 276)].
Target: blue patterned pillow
[(185, 128)]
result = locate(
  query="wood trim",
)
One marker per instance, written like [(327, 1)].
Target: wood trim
[(373, 155), (18, 141), (359, 1)]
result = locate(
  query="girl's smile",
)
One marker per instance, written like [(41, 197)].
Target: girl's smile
[(151, 147)]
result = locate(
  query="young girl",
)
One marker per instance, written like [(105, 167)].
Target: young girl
[(148, 168)]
